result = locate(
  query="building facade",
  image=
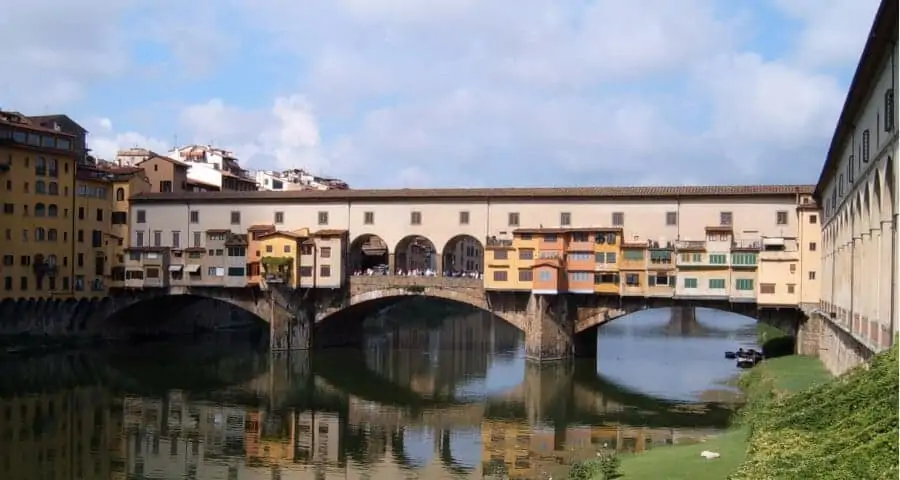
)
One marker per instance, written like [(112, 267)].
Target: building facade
[(37, 168), (857, 191), (684, 242)]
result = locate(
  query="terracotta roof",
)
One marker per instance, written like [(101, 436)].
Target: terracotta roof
[(260, 228), (580, 193), (177, 163), (281, 233), (329, 233), (17, 119), (882, 39), (218, 230)]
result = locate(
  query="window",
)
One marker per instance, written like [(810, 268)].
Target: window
[(717, 283), (744, 284), (765, 288), (790, 288), (96, 238), (501, 254), (279, 218), (306, 272), (235, 271), (851, 173), (812, 246), (813, 219), (718, 259), (781, 218), (580, 257), (549, 238), (120, 194), (632, 280), (368, 218), (139, 239), (812, 275), (610, 257), (725, 219), (690, 283), (513, 219), (119, 218), (165, 186), (269, 248), (195, 216), (235, 218), (545, 275), (323, 218), (618, 219), (176, 239), (325, 252), (197, 238), (565, 219), (865, 146), (525, 275), (671, 218), (99, 214), (415, 218), (793, 268), (306, 249), (287, 249), (141, 215), (500, 275), (157, 238), (325, 271), (463, 218), (743, 259), (889, 110)]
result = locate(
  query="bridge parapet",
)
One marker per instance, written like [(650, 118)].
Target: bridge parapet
[(362, 284)]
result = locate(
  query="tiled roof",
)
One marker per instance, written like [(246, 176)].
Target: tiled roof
[(481, 193)]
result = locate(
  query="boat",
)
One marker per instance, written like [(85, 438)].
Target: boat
[(730, 355)]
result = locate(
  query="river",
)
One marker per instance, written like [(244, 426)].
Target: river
[(430, 396)]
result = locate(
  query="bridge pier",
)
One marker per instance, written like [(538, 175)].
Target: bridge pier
[(549, 328)]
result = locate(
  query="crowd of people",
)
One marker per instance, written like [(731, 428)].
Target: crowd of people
[(383, 270)]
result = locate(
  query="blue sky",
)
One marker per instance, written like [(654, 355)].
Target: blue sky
[(405, 93)]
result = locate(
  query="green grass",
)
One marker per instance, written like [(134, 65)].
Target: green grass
[(771, 379)]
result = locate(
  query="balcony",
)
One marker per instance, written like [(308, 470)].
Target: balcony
[(753, 245), (779, 256), (498, 242), (691, 245)]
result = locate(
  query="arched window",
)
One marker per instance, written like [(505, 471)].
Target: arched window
[(40, 234), (51, 259), (120, 194), (53, 168), (52, 210), (52, 236), (53, 188), (40, 166), (40, 187), (40, 210)]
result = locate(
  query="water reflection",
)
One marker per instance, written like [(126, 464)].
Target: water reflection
[(455, 399)]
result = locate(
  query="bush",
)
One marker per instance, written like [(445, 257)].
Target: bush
[(844, 429), (604, 467)]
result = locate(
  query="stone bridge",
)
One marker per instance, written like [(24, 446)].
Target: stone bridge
[(555, 326)]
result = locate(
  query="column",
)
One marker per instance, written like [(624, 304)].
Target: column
[(438, 264), (392, 267), (884, 281), (290, 327), (549, 328)]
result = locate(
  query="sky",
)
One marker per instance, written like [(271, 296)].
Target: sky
[(451, 93)]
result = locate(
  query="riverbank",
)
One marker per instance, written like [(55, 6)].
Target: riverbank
[(798, 423)]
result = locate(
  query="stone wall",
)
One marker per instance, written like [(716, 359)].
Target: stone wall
[(838, 349)]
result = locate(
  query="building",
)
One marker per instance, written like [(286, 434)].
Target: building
[(37, 167), (63, 123), (686, 242), (94, 247), (165, 174), (133, 156), (294, 180), (211, 167), (857, 191), (125, 183), (466, 257)]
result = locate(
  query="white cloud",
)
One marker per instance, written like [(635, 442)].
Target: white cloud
[(521, 91)]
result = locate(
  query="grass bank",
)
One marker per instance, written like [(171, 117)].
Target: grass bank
[(798, 423)]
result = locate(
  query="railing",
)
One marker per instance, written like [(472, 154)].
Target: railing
[(414, 281), (746, 244), (690, 245), (498, 242)]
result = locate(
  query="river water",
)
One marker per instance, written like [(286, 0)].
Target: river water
[(431, 396)]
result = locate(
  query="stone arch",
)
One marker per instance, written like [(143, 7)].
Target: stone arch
[(877, 196), (415, 252), (867, 208), (464, 254), (164, 315), (603, 317), (369, 251), (387, 295), (889, 190)]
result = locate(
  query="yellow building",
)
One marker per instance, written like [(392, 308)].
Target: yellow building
[(500, 262), (126, 182), (607, 254), (92, 242), (37, 167), (279, 253), (633, 268)]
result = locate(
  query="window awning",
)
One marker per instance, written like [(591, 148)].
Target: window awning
[(175, 268), (192, 268)]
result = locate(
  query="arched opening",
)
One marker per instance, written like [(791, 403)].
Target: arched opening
[(463, 255), (53, 188), (120, 194), (890, 189), (52, 210), (40, 234), (40, 210), (369, 255), (171, 316), (415, 255), (40, 187)]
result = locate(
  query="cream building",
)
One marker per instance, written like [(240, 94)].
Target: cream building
[(857, 193)]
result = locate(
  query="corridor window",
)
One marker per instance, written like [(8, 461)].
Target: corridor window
[(812, 246), (725, 219), (368, 218), (744, 284), (463, 218), (565, 219), (415, 218), (671, 218), (500, 275), (514, 219), (235, 218), (279, 218), (781, 218), (325, 271), (766, 288), (618, 219), (323, 218), (690, 283)]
